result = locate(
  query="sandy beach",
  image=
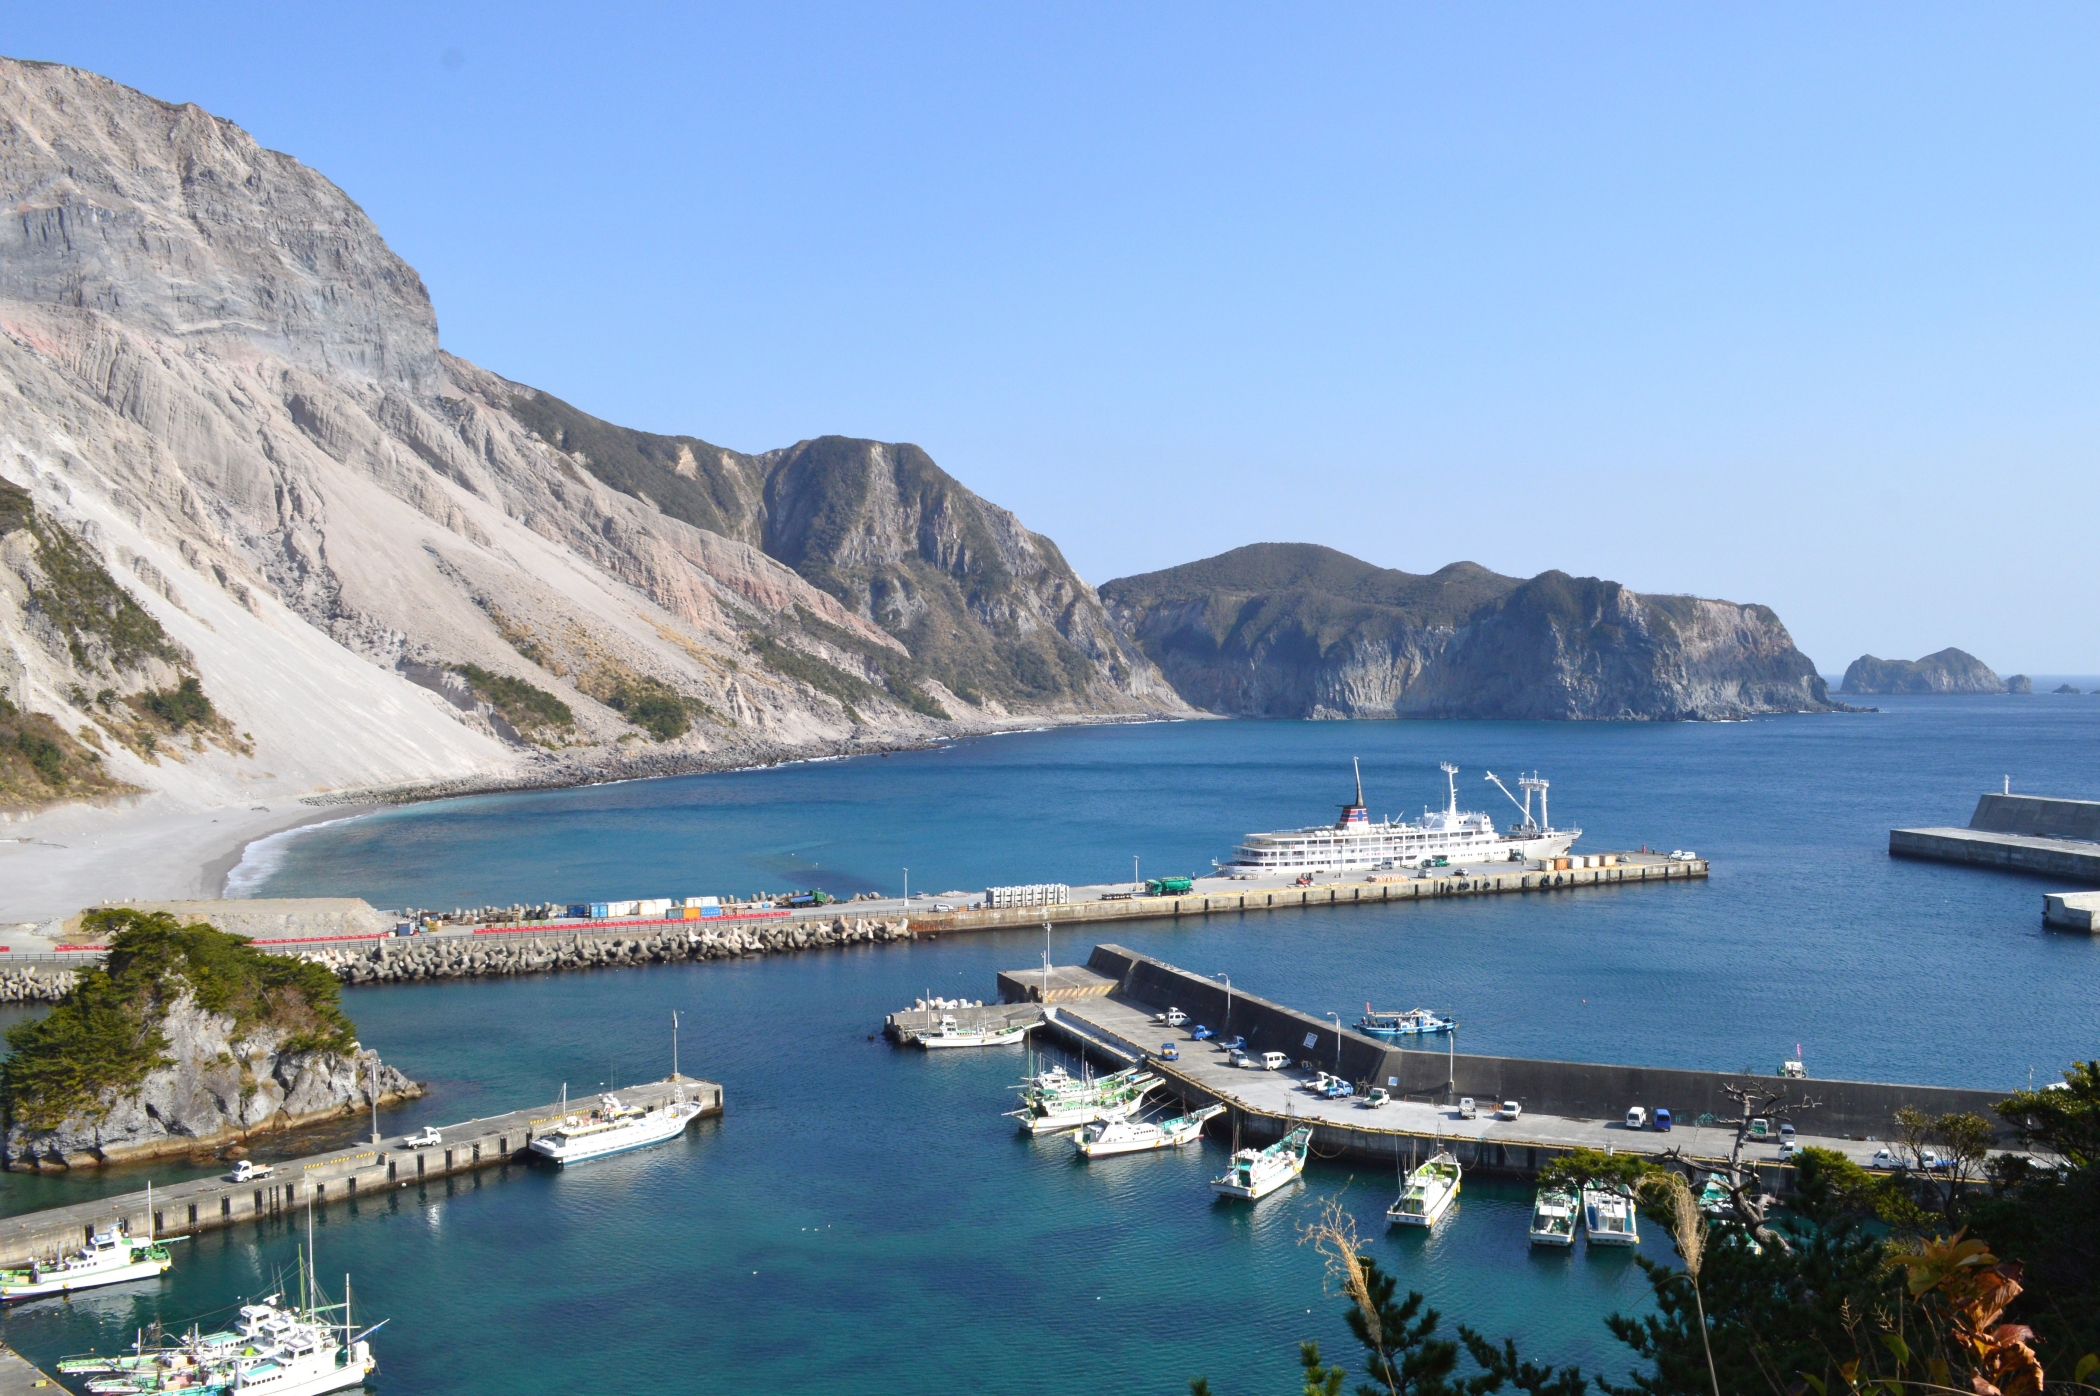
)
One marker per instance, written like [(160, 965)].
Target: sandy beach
[(54, 863)]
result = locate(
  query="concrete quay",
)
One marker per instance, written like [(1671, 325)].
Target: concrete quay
[(2072, 911), (1566, 1105), (19, 1377), (2019, 833), (339, 1175)]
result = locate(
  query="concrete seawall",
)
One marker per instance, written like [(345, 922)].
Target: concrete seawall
[(2018, 833), (1578, 1090)]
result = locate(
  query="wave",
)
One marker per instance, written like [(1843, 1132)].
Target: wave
[(261, 859)]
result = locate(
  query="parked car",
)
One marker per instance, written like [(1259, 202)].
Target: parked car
[(1885, 1158), (1338, 1089), (1168, 1052), (1235, 1056), (1636, 1117), (1235, 1043), (248, 1171), (1378, 1097), (1467, 1110), (1788, 1149), (1175, 1017), (1274, 1061), (427, 1139), (1201, 1034), (1786, 1132), (1509, 1110), (1662, 1121)]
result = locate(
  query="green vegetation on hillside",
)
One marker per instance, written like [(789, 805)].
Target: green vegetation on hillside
[(181, 706), (682, 475), (105, 1035), (530, 709), (40, 761), (79, 597)]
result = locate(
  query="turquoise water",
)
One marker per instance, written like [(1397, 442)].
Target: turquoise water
[(864, 1220)]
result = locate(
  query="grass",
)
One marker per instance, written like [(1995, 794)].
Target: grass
[(106, 1035), (40, 762), (79, 597), (526, 707)]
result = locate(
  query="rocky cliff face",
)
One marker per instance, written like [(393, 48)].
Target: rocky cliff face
[(229, 391), (1949, 671), (1292, 630)]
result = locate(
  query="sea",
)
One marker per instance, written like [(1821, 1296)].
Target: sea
[(865, 1219)]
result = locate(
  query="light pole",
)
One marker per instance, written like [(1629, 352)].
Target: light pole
[(1228, 1003), (1134, 883), (907, 886), (1337, 1040)]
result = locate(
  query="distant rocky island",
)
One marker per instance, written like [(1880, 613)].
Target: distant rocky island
[(1297, 630), (1949, 671), (186, 1040)]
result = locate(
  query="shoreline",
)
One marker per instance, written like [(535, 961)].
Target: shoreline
[(151, 847)]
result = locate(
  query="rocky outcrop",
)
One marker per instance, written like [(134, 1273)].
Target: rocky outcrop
[(1294, 630), (217, 1087), (1949, 671), (451, 957), (225, 388), (2019, 683)]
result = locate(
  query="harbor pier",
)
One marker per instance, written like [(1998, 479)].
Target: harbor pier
[(2018, 833), (360, 1170), (1564, 1105)]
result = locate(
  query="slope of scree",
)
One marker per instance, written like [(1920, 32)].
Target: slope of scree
[(1294, 630), (386, 567)]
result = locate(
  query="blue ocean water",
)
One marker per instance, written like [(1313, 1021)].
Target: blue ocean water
[(863, 1219)]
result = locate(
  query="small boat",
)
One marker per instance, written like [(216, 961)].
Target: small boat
[(614, 1128), (1553, 1215), (1255, 1173), (1609, 1218), (109, 1257), (984, 1035), (1107, 1137), (1714, 1200), (1115, 1097), (1409, 1024), (1430, 1191)]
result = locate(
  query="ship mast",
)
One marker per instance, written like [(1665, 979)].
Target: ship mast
[(1451, 776), (1529, 783)]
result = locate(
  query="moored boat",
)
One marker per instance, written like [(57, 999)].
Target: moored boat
[(1106, 1137), (948, 1034), (1255, 1173), (1052, 1114), (1389, 1025), (1609, 1217), (109, 1257), (1429, 1193), (1553, 1217), (614, 1128)]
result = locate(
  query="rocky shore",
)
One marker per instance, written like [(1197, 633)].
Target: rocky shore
[(460, 957), (35, 985)]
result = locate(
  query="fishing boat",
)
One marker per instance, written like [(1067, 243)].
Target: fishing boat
[(1255, 1173), (614, 1128), (1106, 1137), (1609, 1218), (1390, 1025), (1073, 1109), (1553, 1215), (984, 1035), (1430, 1191), (109, 1257), (1447, 837), (1714, 1199)]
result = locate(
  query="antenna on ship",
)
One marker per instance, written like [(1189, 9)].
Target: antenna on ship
[(1358, 764), (1529, 783), (1356, 815), (1451, 776)]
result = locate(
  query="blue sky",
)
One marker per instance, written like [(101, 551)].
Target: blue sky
[(1790, 304)]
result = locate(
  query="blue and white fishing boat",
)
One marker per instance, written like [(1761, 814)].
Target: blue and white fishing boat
[(1413, 1022)]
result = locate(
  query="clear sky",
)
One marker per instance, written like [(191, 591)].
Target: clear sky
[(1790, 304)]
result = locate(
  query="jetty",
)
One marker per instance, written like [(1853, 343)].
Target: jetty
[(339, 1175), (2018, 833), (1114, 1009)]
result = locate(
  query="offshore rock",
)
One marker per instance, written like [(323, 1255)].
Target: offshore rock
[(1949, 671), (1295, 630)]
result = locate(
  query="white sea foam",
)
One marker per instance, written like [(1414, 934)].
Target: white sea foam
[(261, 859)]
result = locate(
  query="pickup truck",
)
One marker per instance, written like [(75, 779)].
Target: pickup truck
[(427, 1139), (249, 1171)]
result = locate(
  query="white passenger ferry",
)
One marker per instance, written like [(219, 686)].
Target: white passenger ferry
[(1447, 837), (614, 1128)]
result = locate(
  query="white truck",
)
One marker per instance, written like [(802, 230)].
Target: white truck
[(429, 1138)]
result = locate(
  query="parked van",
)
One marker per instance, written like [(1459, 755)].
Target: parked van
[(1175, 1017), (1509, 1111), (1274, 1061), (1662, 1121), (1467, 1110), (1636, 1118)]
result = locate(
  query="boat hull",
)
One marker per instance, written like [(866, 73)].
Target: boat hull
[(1261, 1187), (1429, 1216), (639, 1136), (91, 1279), (1005, 1038), (1163, 1139), (1558, 1239)]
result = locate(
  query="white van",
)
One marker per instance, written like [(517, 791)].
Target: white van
[(1175, 1017), (1274, 1061), (1509, 1111), (1636, 1118), (1467, 1110)]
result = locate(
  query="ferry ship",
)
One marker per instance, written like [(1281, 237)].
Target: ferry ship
[(1446, 837), (615, 1128)]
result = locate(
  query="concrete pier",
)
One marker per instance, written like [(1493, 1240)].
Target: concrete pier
[(2019, 833), (2072, 911), (1565, 1105), (183, 1209), (19, 1377)]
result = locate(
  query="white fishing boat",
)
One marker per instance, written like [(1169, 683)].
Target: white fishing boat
[(1609, 1217), (1447, 837), (614, 1128), (948, 1034), (1055, 1114), (109, 1257), (1106, 1137), (1390, 1025), (1430, 1191), (1553, 1217), (1255, 1173)]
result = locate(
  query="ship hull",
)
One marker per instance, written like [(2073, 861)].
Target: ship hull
[(1260, 1188), (639, 1136), (90, 1279)]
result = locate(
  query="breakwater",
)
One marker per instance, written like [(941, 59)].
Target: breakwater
[(405, 959), (27, 985), (2018, 833)]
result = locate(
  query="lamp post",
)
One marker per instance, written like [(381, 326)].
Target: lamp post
[(1337, 1040), (907, 886), (1135, 885), (1228, 1002)]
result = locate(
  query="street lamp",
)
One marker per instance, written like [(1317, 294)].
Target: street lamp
[(907, 886), (1135, 884), (1337, 1040), (1228, 1002)]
